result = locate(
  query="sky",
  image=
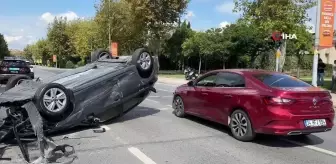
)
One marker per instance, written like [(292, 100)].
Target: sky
[(25, 21)]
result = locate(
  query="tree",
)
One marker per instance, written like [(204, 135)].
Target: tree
[(83, 36), (270, 15), (156, 15), (173, 46), (3, 47), (117, 22), (59, 41)]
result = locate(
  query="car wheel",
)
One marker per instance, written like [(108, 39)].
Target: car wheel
[(100, 54), (241, 127), (16, 80), (178, 106), (143, 61), (53, 101)]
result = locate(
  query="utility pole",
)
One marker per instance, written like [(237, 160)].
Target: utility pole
[(317, 42)]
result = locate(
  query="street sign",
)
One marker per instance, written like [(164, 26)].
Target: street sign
[(114, 49), (54, 58), (326, 23)]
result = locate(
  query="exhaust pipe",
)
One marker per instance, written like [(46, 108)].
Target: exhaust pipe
[(294, 133)]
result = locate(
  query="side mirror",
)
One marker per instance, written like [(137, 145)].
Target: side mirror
[(190, 83)]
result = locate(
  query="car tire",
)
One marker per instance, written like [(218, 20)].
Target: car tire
[(240, 122), (143, 61), (100, 53), (51, 107), (178, 106), (16, 80)]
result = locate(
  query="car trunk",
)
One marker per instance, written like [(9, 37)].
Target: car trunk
[(307, 100)]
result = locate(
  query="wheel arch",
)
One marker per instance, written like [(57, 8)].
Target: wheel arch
[(243, 109)]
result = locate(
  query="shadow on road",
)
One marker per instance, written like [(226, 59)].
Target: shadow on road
[(263, 139)]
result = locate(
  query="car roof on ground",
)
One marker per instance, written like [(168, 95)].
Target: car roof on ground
[(246, 71)]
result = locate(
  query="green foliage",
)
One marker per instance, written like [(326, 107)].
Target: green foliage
[(3, 47), (69, 64)]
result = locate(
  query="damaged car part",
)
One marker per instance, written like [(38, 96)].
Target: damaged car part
[(100, 91)]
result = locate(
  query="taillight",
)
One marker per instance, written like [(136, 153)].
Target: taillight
[(277, 101), (4, 69)]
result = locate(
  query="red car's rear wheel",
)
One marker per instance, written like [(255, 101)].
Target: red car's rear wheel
[(241, 127)]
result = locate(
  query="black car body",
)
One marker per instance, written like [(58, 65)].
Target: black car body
[(12, 66), (94, 93)]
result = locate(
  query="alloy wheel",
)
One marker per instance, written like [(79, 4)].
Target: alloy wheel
[(178, 106), (239, 124), (54, 100), (144, 60)]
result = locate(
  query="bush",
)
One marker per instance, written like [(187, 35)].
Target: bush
[(69, 64)]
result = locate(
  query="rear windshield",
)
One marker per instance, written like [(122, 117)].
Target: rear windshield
[(280, 80), (13, 63)]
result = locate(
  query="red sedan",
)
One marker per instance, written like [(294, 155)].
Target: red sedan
[(256, 101)]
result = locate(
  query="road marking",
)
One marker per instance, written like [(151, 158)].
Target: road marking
[(169, 84), (169, 106), (140, 155), (160, 96), (165, 108), (105, 127), (164, 90), (312, 147), (152, 100)]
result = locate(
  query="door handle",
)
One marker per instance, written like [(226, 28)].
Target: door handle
[(229, 96), (205, 94)]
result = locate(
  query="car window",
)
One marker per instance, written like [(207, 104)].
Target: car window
[(207, 81), (227, 79), (280, 80), (13, 63)]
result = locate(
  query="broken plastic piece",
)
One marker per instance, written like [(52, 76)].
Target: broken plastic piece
[(100, 130)]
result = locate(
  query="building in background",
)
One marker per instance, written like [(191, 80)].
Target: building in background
[(328, 55)]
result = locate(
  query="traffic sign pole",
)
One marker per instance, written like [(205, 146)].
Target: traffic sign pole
[(278, 53), (316, 45)]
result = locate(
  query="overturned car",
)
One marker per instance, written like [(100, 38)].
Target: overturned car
[(102, 90)]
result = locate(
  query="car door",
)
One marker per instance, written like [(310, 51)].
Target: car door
[(201, 91), (225, 95)]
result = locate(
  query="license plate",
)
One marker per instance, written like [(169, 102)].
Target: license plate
[(14, 69), (315, 123)]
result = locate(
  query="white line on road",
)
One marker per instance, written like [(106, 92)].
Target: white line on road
[(160, 96), (312, 147), (164, 90), (152, 100), (169, 84), (140, 155), (169, 106)]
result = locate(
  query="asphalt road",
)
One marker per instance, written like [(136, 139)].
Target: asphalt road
[(151, 134)]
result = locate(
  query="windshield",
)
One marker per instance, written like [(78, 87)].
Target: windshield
[(280, 80), (13, 63)]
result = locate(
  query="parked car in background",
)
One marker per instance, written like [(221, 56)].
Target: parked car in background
[(12, 66), (256, 101)]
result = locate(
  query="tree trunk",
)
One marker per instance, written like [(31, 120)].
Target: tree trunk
[(223, 63)]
